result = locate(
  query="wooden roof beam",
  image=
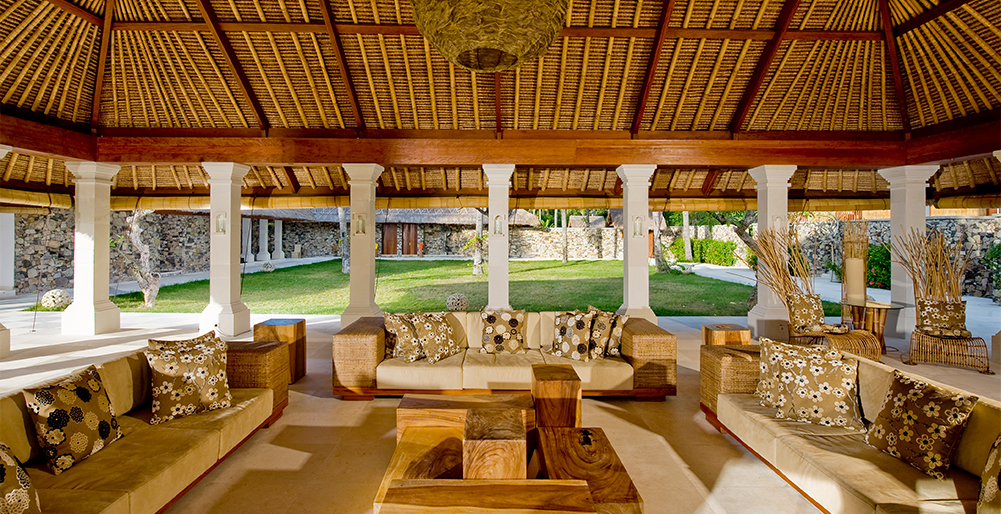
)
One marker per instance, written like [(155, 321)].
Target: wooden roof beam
[(292, 179), (342, 65), (891, 54), (710, 182), (234, 65), (77, 11), (102, 56), (929, 15), (665, 17), (765, 62)]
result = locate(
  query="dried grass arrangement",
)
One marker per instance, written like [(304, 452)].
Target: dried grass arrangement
[(855, 240), (782, 265), (934, 266)]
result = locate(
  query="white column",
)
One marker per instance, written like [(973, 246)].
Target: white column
[(225, 312), (362, 181), (245, 235), (908, 209), (278, 254), (635, 241), (262, 244), (6, 254), (498, 190), (996, 339), (769, 317), (91, 311), (4, 333)]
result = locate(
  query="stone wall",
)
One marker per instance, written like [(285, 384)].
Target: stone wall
[(43, 251), (317, 239)]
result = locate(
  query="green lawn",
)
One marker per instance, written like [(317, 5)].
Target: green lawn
[(403, 286)]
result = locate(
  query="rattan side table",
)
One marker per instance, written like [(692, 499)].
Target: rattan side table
[(260, 364), (725, 369)]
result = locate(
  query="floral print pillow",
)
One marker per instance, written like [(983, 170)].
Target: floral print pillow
[(805, 311), (435, 336), (601, 331), (73, 418), (17, 495), (573, 336), (400, 329), (941, 319), (920, 424), (990, 499), (615, 338), (189, 376), (503, 332), (777, 358), (820, 391)]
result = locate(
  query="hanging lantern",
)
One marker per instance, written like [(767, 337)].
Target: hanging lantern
[(490, 35)]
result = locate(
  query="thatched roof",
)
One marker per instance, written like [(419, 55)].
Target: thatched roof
[(705, 90), (421, 216)]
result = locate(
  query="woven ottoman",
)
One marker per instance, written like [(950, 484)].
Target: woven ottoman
[(261, 364), (725, 369)]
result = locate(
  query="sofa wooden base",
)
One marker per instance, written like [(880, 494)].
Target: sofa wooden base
[(711, 418), (369, 393), (275, 414)]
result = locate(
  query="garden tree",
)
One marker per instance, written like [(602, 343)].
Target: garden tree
[(565, 249), (658, 249), (147, 279), (741, 222), (686, 235), (345, 242), (478, 243)]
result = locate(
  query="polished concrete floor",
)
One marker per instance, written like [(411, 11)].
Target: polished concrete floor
[(326, 455)]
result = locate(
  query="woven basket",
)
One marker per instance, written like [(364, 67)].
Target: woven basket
[(725, 369), (652, 352)]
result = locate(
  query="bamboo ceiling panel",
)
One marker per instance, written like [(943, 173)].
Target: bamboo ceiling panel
[(967, 174), (862, 15), (48, 60), (614, 13), (738, 14), (165, 10), (28, 168), (839, 180), (258, 10)]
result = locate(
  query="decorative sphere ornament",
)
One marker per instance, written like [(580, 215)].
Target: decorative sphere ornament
[(457, 303), (56, 299), (268, 267)]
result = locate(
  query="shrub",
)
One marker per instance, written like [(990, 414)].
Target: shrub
[(878, 267), (709, 251), (992, 260)]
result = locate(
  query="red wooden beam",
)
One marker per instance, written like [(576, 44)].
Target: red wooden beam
[(102, 56), (33, 138), (710, 182), (342, 65), (231, 60), (925, 17), (292, 179), (665, 18), (891, 55), (765, 62), (77, 11)]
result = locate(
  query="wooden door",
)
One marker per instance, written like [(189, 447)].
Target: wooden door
[(389, 239), (651, 246), (409, 239)]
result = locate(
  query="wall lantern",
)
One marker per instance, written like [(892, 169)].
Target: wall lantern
[(638, 226), (498, 225), (220, 223), (359, 224)]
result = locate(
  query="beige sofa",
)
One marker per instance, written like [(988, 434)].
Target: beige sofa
[(647, 367), (832, 466), (151, 465)]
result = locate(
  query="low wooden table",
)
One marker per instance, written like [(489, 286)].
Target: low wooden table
[(586, 454), (423, 453), (435, 410), (727, 333), (292, 332), (481, 496), (871, 317), (557, 392)]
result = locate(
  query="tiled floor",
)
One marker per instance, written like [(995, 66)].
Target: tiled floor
[(326, 455)]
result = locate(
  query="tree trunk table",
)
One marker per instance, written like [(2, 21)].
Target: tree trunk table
[(586, 454), (481, 496), (557, 392), (435, 410), (423, 453), (494, 445), (292, 332), (726, 333)]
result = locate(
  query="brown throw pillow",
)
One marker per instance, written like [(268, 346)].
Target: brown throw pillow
[(73, 418), (17, 495), (777, 362), (615, 338), (601, 331), (572, 334), (920, 423), (189, 376), (821, 391), (805, 311), (990, 500), (435, 336), (503, 332), (400, 328), (941, 319)]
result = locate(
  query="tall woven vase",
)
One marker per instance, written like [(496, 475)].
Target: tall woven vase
[(855, 251)]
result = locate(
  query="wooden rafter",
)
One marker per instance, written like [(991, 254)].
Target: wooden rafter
[(102, 60), (234, 65), (929, 15), (665, 17), (77, 11), (891, 55), (710, 182), (765, 62), (292, 179), (342, 65)]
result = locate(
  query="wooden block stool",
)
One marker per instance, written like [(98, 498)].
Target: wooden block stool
[(423, 452), (725, 334), (557, 392), (586, 454), (494, 444), (260, 364), (292, 332), (435, 410)]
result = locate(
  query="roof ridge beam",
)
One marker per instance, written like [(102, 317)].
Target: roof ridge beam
[(342, 65), (665, 18), (102, 56)]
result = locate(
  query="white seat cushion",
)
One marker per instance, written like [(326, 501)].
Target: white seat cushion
[(608, 374), (499, 371), (399, 374)]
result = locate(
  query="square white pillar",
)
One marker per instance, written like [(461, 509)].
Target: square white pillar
[(362, 182), (225, 313), (277, 253), (908, 209), (635, 240), (769, 318), (498, 203), (6, 254), (91, 311), (262, 243), (4, 341), (245, 236), (996, 339)]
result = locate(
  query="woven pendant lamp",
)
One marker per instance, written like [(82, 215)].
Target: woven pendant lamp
[(490, 35)]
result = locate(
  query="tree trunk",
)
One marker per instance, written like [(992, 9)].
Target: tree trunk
[(478, 247), (658, 250), (345, 241), (148, 280), (686, 234), (565, 249)]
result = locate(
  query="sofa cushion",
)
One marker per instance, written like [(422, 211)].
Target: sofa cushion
[(128, 381), (921, 423), (17, 495), (503, 331), (608, 374), (572, 336), (152, 464), (533, 326), (401, 335), (615, 338), (779, 361), (188, 377), (73, 418), (821, 391), (435, 336), (990, 498), (399, 374), (499, 371), (79, 501), (601, 330), (17, 429)]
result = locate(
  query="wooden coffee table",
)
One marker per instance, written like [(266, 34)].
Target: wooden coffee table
[(585, 454)]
